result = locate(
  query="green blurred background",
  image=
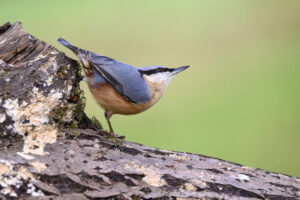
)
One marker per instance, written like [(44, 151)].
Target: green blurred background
[(239, 100)]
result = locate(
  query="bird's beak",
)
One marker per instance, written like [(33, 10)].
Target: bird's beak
[(179, 69)]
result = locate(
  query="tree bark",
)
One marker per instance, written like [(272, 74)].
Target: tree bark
[(49, 149)]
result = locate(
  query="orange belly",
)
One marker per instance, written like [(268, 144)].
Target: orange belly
[(112, 101)]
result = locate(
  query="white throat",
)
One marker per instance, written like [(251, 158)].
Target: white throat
[(163, 78)]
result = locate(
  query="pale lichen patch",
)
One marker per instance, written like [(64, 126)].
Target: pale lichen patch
[(4, 169), (129, 146), (37, 132), (2, 42), (246, 167), (24, 174), (69, 88), (179, 157), (39, 166), (8, 191), (199, 183), (12, 178), (69, 116), (49, 81), (26, 156), (243, 177), (152, 174), (2, 118), (182, 198), (37, 139), (189, 187), (50, 62), (45, 65), (33, 191)]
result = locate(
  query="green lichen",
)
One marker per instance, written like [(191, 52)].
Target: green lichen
[(58, 114), (76, 104), (4, 72), (74, 127), (96, 122), (78, 98)]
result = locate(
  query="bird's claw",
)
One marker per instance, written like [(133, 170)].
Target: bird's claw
[(113, 135)]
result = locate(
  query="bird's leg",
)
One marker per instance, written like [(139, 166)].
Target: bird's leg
[(111, 132), (107, 115)]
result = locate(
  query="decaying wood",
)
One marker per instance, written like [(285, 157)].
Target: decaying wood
[(49, 149)]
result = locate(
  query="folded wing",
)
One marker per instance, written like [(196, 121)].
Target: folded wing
[(124, 78)]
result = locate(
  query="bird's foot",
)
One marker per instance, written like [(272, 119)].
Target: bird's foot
[(122, 137), (114, 135)]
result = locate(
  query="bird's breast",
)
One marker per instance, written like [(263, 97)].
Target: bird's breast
[(109, 99)]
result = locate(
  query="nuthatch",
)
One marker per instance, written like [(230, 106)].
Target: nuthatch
[(120, 88)]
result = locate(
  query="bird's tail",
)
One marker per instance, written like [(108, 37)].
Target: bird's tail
[(73, 48), (81, 54)]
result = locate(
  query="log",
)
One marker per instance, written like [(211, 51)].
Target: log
[(50, 149)]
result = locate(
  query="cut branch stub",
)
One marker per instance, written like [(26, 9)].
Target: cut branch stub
[(38, 89)]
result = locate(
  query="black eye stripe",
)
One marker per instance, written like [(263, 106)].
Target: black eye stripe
[(155, 71)]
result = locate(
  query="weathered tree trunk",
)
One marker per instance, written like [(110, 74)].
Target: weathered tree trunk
[(49, 149)]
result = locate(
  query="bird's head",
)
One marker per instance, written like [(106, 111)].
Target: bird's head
[(160, 76), (160, 73)]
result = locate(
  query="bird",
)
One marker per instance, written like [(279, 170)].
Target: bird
[(120, 88)]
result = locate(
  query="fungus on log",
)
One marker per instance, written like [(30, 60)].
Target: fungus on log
[(49, 149)]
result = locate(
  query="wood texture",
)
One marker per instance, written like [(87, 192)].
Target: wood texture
[(78, 161)]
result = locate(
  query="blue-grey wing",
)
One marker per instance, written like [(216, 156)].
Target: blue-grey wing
[(103, 66), (124, 78)]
